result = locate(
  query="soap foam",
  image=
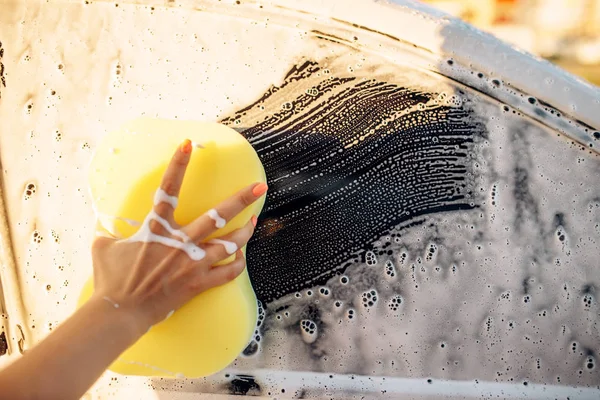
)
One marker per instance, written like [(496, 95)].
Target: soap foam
[(145, 234), (169, 228), (162, 197), (230, 247), (214, 215)]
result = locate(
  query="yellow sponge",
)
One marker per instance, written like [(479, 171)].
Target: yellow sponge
[(206, 334)]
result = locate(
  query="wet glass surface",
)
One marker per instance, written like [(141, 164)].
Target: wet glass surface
[(424, 224)]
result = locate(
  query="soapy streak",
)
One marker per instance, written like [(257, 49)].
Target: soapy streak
[(230, 247), (162, 197), (214, 215), (168, 227), (145, 234)]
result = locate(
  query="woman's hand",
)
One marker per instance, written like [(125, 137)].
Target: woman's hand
[(149, 279)]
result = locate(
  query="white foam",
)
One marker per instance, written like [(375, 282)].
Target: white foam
[(214, 215), (162, 197), (230, 247), (165, 224), (145, 234)]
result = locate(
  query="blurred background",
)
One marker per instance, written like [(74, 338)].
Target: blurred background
[(566, 32)]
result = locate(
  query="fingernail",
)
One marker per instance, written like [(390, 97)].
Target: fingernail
[(254, 220), (260, 189), (186, 146)]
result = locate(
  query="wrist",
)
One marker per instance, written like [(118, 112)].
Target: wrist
[(123, 320)]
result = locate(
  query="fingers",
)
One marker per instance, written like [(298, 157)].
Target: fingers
[(222, 274), (225, 246), (184, 282), (165, 199), (216, 218), (216, 250), (195, 272), (187, 281)]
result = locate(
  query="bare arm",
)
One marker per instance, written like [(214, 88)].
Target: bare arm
[(73, 356), (137, 284)]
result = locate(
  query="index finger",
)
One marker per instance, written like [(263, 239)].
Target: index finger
[(172, 180)]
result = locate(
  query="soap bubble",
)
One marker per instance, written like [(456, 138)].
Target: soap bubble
[(309, 331), (371, 258), (369, 298), (395, 302), (390, 269), (590, 363), (252, 349), (587, 300), (29, 191), (350, 313), (36, 237)]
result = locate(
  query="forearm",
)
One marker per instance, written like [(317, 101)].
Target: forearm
[(72, 358)]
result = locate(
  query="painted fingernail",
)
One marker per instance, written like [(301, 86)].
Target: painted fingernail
[(186, 146), (260, 189), (254, 220)]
